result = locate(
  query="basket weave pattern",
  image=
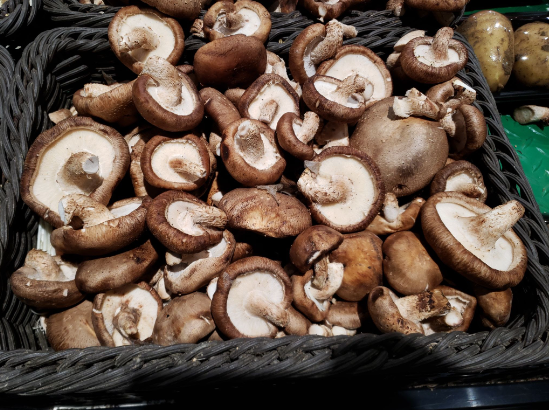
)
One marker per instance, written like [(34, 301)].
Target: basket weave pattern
[(60, 61), (16, 15)]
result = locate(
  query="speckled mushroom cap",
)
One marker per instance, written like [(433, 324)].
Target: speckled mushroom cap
[(184, 10), (486, 250), (218, 107), (78, 155), (136, 33), (463, 177)]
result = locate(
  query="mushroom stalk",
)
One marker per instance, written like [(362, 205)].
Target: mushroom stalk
[(484, 230), (323, 190), (448, 124), (391, 210), (531, 113), (234, 21), (259, 305), (126, 321), (182, 166), (268, 111), (416, 104), (335, 32), (327, 279), (441, 41), (464, 95), (197, 29), (215, 143), (352, 85), (88, 210), (397, 6), (250, 141), (208, 216), (167, 79), (423, 306), (81, 170), (139, 38), (43, 263), (309, 127)]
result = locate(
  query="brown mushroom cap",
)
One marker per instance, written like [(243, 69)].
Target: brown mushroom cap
[(349, 315), (395, 218), (492, 255), (126, 315), (103, 274), (360, 253), (494, 306), (185, 319), (242, 250), (187, 10), (219, 108), (444, 5), (295, 135), (185, 224), (300, 65), (326, 11), (136, 33), (250, 153), (463, 310), (407, 265), (234, 61), (313, 244), (470, 134), (104, 230), (463, 177), (78, 155), (251, 294), (176, 163), (226, 18), (345, 191), (72, 328), (45, 282), (256, 210)]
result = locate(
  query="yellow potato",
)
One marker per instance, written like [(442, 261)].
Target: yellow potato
[(532, 55)]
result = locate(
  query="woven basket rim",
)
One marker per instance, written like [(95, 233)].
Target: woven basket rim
[(17, 15)]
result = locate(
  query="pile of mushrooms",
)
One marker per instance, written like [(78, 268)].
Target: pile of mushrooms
[(246, 200)]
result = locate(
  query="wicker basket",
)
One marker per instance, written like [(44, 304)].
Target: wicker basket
[(62, 60), (16, 15)]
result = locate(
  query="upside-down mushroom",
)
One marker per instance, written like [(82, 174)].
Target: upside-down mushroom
[(396, 218), (458, 318), (463, 177), (295, 135)]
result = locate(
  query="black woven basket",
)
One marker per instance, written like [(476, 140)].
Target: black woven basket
[(16, 15), (60, 61)]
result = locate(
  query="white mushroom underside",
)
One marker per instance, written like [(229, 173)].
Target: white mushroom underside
[(184, 108), (166, 39), (125, 209), (136, 298), (276, 92), (327, 89), (361, 195), (45, 187), (351, 64), (269, 158), (177, 214), (499, 257), (455, 182), (162, 154), (68, 269), (425, 54), (187, 261), (308, 65), (457, 303), (322, 305), (246, 322), (251, 24)]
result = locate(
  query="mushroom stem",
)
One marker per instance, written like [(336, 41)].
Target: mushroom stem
[(81, 170), (234, 21), (259, 305), (43, 263), (88, 210), (139, 38), (397, 6), (126, 321), (167, 78), (531, 113), (323, 190), (335, 32), (249, 140), (353, 84), (327, 280), (268, 111), (208, 216), (484, 230), (215, 143), (391, 210), (321, 273), (320, 330), (441, 41), (197, 29), (423, 306), (190, 169), (448, 124), (415, 104), (309, 127)]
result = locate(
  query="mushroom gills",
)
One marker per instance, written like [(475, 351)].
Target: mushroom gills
[(247, 22), (260, 155), (157, 27), (276, 93), (499, 256), (163, 164), (125, 209), (182, 262), (464, 183), (352, 100), (308, 64), (426, 55), (243, 318)]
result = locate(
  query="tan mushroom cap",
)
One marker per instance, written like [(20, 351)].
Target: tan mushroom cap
[(185, 224), (219, 108), (176, 163), (396, 218), (407, 265), (349, 315), (166, 97), (462, 177), (57, 116), (343, 188), (188, 10), (494, 306), (186, 319), (112, 103), (460, 316), (102, 274), (313, 244), (126, 315), (45, 282), (431, 60), (187, 273), (296, 135), (470, 134), (72, 328), (437, 5), (242, 250), (256, 210), (137, 33), (226, 18), (105, 230), (474, 240), (78, 155)]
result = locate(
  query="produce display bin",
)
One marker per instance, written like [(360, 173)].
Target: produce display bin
[(17, 15), (60, 61)]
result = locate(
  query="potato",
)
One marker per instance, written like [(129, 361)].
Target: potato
[(491, 36), (532, 55)]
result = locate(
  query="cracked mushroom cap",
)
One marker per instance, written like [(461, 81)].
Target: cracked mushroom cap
[(137, 33), (166, 97), (268, 99), (77, 156), (351, 60), (72, 328), (462, 177), (433, 60), (256, 210), (460, 316), (112, 103), (474, 240), (252, 299), (343, 188), (405, 315), (102, 274), (46, 282), (313, 244), (226, 18), (234, 61), (396, 218), (407, 265), (105, 230), (186, 273), (185, 224), (219, 108), (494, 306), (186, 319), (296, 135), (250, 153), (126, 315), (176, 163)]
